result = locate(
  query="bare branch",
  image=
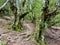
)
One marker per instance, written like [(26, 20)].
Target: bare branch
[(4, 4), (52, 12), (24, 14)]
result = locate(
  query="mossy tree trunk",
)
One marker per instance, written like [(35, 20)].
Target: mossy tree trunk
[(46, 17), (14, 10), (17, 7)]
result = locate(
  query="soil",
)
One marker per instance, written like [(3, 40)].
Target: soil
[(16, 38), (52, 35)]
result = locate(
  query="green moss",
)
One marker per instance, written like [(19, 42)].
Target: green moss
[(3, 43)]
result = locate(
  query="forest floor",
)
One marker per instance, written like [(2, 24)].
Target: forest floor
[(11, 37)]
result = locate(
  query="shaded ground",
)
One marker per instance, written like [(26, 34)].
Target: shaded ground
[(16, 38), (52, 35)]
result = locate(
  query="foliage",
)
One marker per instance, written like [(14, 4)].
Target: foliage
[(47, 19), (3, 43), (43, 13)]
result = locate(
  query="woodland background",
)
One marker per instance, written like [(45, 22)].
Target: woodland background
[(33, 22)]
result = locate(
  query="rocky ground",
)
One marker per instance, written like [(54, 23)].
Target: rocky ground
[(52, 35)]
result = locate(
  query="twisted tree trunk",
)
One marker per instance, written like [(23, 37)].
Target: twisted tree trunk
[(18, 14), (46, 17)]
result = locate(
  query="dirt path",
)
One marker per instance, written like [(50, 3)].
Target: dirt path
[(16, 38), (52, 35)]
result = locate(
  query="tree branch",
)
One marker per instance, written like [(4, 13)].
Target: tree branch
[(4, 4), (24, 14), (52, 12), (23, 3)]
